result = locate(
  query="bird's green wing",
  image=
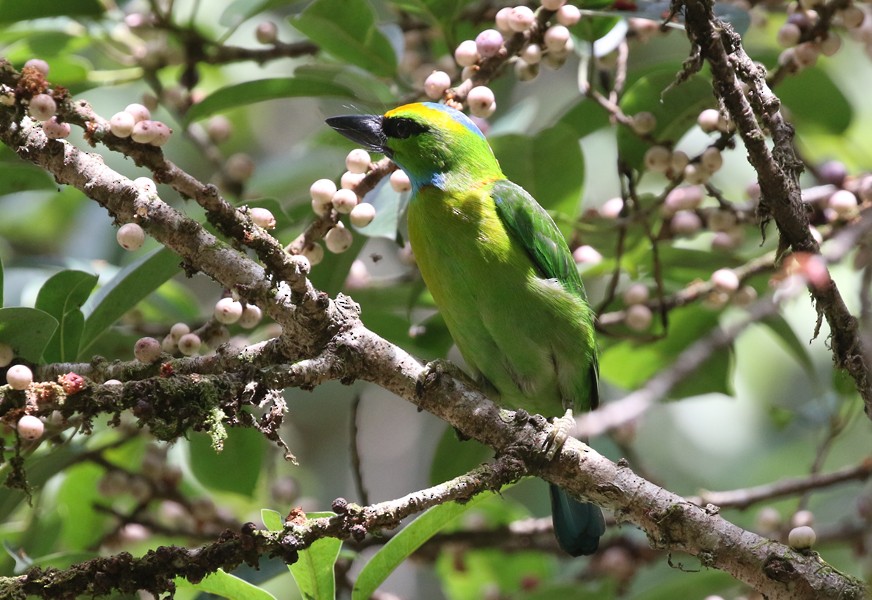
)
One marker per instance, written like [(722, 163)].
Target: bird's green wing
[(532, 227)]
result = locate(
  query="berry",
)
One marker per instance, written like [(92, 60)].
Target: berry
[(54, 130), (19, 377), (38, 64), (30, 427), (481, 101), (725, 280), (638, 317), (144, 132), (146, 350), (802, 518), (362, 214), (266, 32), (130, 236), (121, 124), (400, 181), (502, 19), (531, 54), (357, 161), (587, 255), (322, 196), (682, 198), (521, 18), (788, 35), (844, 203), (833, 172), (262, 217), (6, 355), (162, 133), (314, 253), (219, 128), (658, 159), (685, 222), (227, 311), (644, 123), (721, 220), (696, 174), (524, 71), (709, 120), (189, 344), (568, 15), (338, 239), (801, 538), (466, 53), (711, 159), (350, 180), (556, 38), (552, 4), (42, 107), (679, 161), (251, 316), (488, 43), (169, 344), (239, 167), (852, 16), (436, 84), (146, 185), (612, 208), (344, 201), (636, 294), (178, 330), (138, 112)]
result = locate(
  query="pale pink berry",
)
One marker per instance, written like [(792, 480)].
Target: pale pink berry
[(266, 32), (400, 181), (612, 208), (227, 311), (638, 317), (636, 294), (521, 18), (482, 102), (54, 130), (644, 123), (682, 198), (709, 120), (144, 132), (130, 236), (724, 241), (121, 124), (806, 54), (502, 19), (685, 222), (138, 112), (357, 161), (788, 35), (344, 201), (466, 53), (314, 253), (30, 427), (178, 330), (658, 159), (146, 350), (262, 217), (189, 344), (162, 133), (362, 214), (251, 316), (350, 180), (587, 255), (19, 377), (338, 239), (556, 38), (6, 354), (725, 280), (568, 15), (322, 196), (552, 4), (436, 84), (38, 64), (42, 107), (488, 43), (852, 16), (239, 167), (219, 129), (711, 159)]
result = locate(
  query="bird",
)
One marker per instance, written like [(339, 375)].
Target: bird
[(500, 273)]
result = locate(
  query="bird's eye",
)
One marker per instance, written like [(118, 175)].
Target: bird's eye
[(402, 128)]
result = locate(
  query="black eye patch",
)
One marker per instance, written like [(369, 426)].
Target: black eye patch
[(402, 127)]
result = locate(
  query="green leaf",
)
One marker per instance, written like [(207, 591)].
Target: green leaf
[(676, 111), (348, 31), (81, 526), (260, 90), (409, 539), (15, 10), (39, 470), (225, 585), (27, 330), (784, 332), (454, 457), (62, 296), (130, 285), (806, 92), (549, 166), (242, 456), (313, 571), (1, 282), (21, 176)]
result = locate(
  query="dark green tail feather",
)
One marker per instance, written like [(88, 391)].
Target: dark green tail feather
[(577, 525)]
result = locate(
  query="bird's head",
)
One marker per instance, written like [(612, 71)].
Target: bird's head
[(434, 144)]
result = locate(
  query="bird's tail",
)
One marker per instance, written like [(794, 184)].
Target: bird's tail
[(577, 525)]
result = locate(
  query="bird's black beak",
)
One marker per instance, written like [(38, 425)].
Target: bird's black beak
[(365, 130)]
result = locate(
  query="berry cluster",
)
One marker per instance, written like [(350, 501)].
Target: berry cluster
[(135, 122)]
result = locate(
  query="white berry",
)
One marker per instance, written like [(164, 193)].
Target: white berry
[(338, 239), (725, 280), (531, 54), (709, 120), (322, 196), (350, 181), (552, 4), (636, 294), (362, 214), (611, 208), (138, 112), (436, 84), (488, 43), (130, 236), (121, 124), (843, 202), (42, 107), (638, 317), (502, 19), (189, 344), (400, 181), (30, 427), (556, 38), (481, 101), (262, 217), (6, 355), (146, 350), (521, 18), (587, 255), (314, 253), (146, 185), (19, 377), (568, 15), (169, 344), (344, 201), (227, 311), (466, 53), (54, 130), (251, 316), (178, 330), (357, 161), (801, 538)]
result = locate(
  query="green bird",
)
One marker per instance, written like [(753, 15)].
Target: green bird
[(501, 274)]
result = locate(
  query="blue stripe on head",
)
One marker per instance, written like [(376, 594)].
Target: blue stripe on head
[(457, 116)]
